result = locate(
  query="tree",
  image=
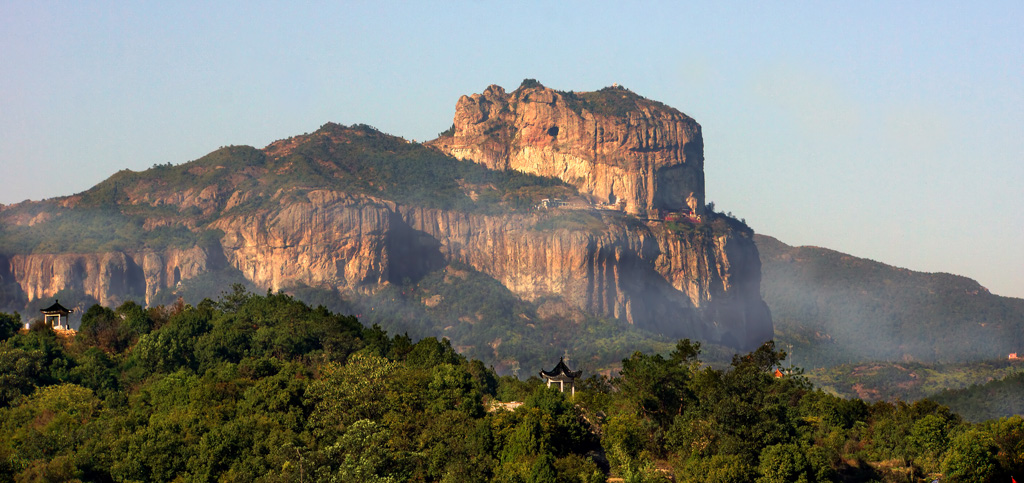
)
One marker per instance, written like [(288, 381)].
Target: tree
[(543, 469), (363, 455), (345, 394), (971, 457), (49, 426), (9, 325), (929, 436), (102, 327), (654, 387), (429, 352), (173, 346), (1008, 434), (452, 388), (719, 468), (783, 463)]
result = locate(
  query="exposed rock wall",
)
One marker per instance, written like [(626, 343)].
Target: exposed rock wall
[(109, 277), (702, 288), (649, 156), (332, 240)]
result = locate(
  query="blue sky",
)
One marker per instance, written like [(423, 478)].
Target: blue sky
[(887, 130)]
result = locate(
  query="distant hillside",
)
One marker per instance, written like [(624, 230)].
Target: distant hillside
[(992, 400), (908, 381), (834, 308)]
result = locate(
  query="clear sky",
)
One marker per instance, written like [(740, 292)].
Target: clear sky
[(887, 130)]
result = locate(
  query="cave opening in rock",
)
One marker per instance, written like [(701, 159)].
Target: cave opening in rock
[(553, 131)]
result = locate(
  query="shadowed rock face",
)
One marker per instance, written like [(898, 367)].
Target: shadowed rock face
[(611, 144), (700, 287)]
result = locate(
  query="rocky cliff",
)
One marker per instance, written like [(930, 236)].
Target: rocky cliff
[(109, 277), (611, 144), (339, 209), (699, 286)]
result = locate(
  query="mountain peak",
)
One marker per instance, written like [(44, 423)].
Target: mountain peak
[(617, 147)]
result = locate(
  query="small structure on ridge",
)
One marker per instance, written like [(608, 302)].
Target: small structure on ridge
[(561, 374), (57, 316)]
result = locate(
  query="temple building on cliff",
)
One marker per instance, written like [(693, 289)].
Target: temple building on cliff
[(561, 374)]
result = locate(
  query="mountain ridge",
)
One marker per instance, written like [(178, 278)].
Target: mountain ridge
[(835, 308)]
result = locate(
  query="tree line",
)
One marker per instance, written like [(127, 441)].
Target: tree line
[(266, 388)]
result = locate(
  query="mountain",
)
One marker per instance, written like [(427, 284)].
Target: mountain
[(371, 223), (832, 308)]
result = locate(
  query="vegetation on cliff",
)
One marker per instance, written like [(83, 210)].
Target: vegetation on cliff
[(485, 321), (613, 101), (266, 388)]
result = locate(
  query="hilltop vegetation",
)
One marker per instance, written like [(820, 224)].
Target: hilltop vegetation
[(265, 388), (171, 205), (613, 101), (835, 309)]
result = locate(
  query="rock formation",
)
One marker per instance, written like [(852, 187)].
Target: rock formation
[(611, 144)]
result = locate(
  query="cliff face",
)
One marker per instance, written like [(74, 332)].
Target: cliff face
[(700, 287), (110, 277), (612, 144), (706, 288)]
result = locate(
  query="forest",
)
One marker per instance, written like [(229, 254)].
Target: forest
[(981, 402), (266, 388)]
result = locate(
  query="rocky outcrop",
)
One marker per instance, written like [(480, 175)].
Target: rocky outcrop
[(611, 144)]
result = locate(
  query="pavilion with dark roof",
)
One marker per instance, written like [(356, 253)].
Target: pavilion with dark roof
[(56, 316), (561, 374)]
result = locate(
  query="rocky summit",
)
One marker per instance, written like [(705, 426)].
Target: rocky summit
[(613, 145), (595, 200)]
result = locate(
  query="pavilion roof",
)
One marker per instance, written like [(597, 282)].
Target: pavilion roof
[(561, 370), (56, 308)]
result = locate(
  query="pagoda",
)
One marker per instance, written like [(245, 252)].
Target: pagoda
[(561, 374), (57, 316)]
